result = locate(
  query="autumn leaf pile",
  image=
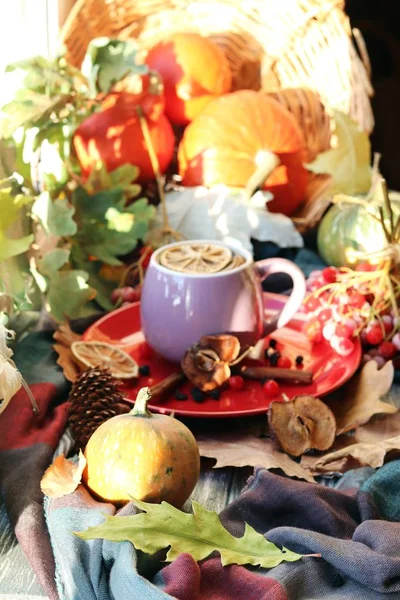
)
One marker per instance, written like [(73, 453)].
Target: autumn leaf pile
[(367, 430)]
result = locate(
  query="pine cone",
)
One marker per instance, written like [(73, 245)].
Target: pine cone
[(94, 399)]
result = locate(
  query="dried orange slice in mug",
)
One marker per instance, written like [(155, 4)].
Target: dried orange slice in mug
[(196, 258), (107, 356)]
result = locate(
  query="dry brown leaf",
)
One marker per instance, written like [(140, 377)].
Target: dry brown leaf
[(379, 429), (63, 476), (65, 359), (65, 337), (360, 399), (237, 450), (357, 455)]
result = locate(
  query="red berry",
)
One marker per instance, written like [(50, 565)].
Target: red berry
[(365, 267), (116, 295), (345, 329), (315, 284), (329, 331), (388, 323), (126, 294), (329, 274), (374, 336), (324, 316), (236, 382), (356, 300), (312, 304), (284, 362), (344, 346), (131, 294), (396, 341), (387, 350), (271, 388), (313, 331)]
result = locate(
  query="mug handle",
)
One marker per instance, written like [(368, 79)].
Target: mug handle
[(269, 266)]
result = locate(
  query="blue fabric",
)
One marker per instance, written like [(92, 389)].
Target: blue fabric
[(353, 529), (384, 486)]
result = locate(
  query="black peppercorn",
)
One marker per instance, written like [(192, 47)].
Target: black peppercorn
[(197, 395), (144, 370)]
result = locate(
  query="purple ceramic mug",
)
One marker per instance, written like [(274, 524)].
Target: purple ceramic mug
[(178, 308)]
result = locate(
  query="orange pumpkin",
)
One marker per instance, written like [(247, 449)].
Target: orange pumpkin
[(114, 136), (227, 141), (194, 71), (150, 457)]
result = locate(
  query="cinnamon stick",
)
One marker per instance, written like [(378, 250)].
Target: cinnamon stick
[(294, 375), (168, 384)]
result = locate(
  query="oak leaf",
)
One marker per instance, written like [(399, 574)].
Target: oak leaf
[(380, 429), (360, 399), (63, 476), (162, 526), (363, 454), (238, 450)]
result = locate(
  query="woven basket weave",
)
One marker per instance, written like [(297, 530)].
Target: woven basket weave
[(271, 45)]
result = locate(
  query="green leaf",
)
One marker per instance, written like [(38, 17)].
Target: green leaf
[(10, 211), (28, 109), (108, 61), (123, 176), (9, 247), (349, 161), (27, 64), (199, 534), (55, 216), (53, 261), (120, 179), (67, 294), (107, 228), (103, 288)]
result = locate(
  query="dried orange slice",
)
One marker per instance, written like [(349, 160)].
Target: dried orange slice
[(100, 354), (196, 258)]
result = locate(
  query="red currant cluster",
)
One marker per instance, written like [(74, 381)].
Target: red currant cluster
[(343, 304), (125, 295)]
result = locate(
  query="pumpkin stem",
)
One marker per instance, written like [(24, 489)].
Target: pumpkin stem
[(140, 409), (266, 163)]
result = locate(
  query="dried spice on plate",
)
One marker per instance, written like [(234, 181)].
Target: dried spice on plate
[(207, 364)]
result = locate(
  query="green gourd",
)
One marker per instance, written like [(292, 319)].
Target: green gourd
[(348, 227)]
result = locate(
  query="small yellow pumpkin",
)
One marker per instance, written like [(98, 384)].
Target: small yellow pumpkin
[(142, 455)]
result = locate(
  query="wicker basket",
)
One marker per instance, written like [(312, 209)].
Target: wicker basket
[(271, 45)]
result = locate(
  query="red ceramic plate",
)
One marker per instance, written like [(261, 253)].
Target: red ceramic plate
[(122, 328)]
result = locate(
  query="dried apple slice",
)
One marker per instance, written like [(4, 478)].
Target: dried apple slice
[(302, 424)]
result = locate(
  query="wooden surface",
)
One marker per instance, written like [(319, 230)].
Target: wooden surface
[(216, 489)]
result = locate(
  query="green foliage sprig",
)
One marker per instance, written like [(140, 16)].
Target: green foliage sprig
[(64, 230)]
